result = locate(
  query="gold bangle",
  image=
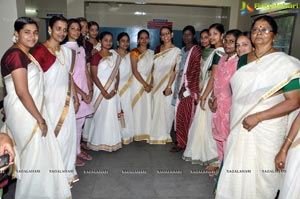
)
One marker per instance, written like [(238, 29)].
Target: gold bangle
[(168, 86), (283, 150), (289, 139), (76, 103), (43, 122)]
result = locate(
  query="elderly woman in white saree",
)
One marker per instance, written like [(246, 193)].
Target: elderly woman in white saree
[(57, 65), (141, 63), (265, 93), (38, 159), (166, 63)]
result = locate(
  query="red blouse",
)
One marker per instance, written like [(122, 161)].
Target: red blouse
[(96, 59), (43, 56), (13, 59)]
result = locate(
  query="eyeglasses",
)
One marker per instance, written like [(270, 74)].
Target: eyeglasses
[(262, 30), (165, 34)]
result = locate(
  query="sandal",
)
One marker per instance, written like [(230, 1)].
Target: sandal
[(175, 149), (79, 162), (84, 146), (83, 155)]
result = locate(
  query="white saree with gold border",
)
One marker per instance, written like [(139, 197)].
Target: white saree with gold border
[(248, 169), (105, 129), (125, 82), (39, 165), (56, 87), (141, 100), (163, 112)]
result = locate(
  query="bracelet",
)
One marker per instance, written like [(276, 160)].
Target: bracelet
[(288, 139), (256, 115), (168, 86), (42, 123), (283, 150), (76, 103)]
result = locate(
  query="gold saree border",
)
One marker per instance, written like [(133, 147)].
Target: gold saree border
[(141, 137), (68, 98), (162, 142), (104, 147), (141, 91), (267, 95), (163, 80), (128, 141), (126, 86), (108, 83), (163, 52)]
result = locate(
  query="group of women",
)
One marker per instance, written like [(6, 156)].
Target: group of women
[(231, 102)]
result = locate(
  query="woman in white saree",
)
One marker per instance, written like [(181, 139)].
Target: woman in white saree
[(105, 129), (125, 87), (57, 65), (38, 159), (288, 159), (166, 63), (201, 147), (265, 94), (141, 63)]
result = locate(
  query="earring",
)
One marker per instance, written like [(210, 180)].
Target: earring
[(49, 32), (15, 39)]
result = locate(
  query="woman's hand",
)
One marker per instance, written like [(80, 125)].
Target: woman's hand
[(43, 127), (113, 93), (251, 121), (84, 97), (106, 95), (202, 102), (6, 146), (89, 97), (148, 88), (167, 91), (213, 104), (180, 93), (280, 160), (76, 106)]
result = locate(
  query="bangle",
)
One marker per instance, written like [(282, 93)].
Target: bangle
[(288, 139), (283, 150), (42, 122), (168, 86), (76, 103), (256, 115)]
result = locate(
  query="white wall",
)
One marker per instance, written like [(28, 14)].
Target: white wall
[(122, 15), (75, 8)]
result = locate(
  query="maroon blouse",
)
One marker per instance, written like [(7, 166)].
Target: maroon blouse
[(43, 56), (96, 59), (13, 59)]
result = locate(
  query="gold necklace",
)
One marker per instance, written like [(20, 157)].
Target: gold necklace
[(258, 57)]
